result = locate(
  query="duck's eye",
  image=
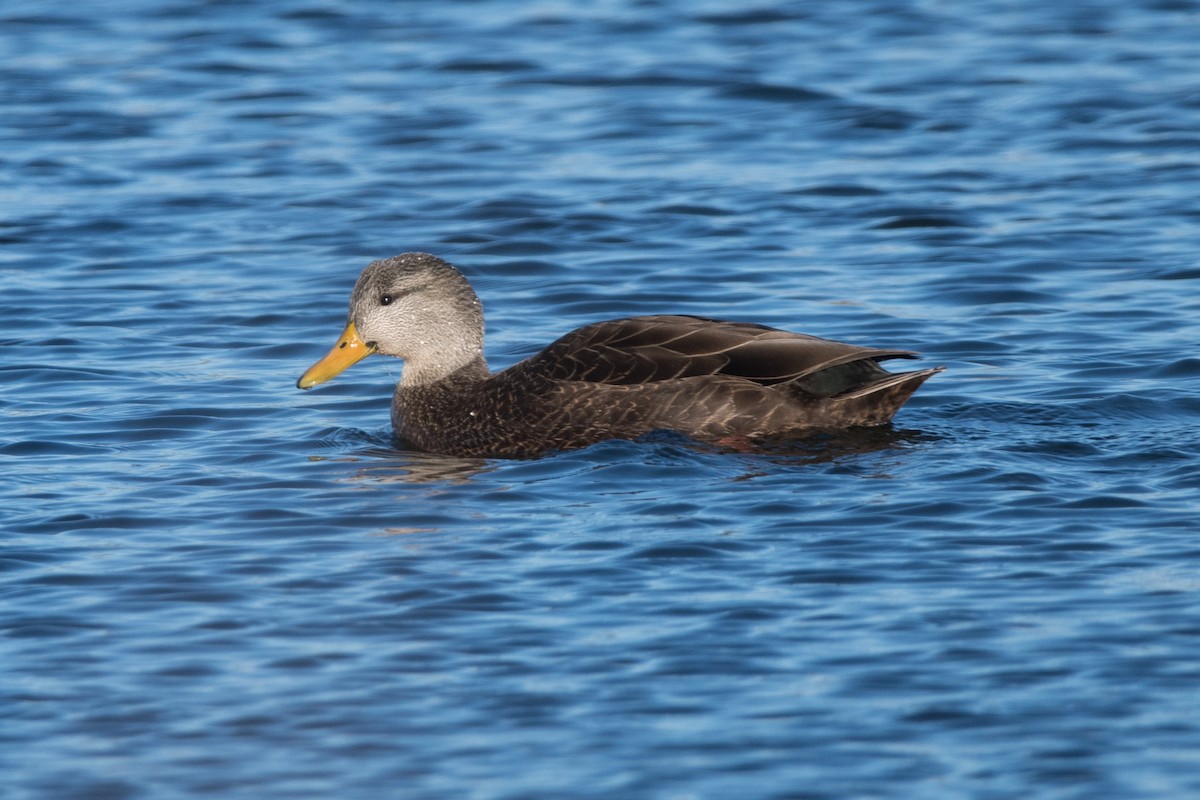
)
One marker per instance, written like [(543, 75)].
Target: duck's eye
[(386, 299)]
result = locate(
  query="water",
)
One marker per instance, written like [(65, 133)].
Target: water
[(217, 586)]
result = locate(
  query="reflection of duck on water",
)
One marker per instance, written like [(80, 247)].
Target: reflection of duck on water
[(716, 381)]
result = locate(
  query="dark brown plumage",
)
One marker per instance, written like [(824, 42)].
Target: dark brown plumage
[(709, 379)]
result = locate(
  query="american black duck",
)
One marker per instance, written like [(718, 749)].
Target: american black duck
[(715, 381)]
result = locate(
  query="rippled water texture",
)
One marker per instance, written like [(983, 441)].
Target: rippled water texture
[(217, 586)]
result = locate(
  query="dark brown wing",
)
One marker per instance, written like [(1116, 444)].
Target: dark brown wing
[(641, 350)]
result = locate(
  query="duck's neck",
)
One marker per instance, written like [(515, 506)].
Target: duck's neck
[(417, 374)]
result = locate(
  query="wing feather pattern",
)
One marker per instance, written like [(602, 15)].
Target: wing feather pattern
[(639, 350)]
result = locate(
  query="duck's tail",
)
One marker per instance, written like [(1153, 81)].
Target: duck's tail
[(877, 402), (871, 402)]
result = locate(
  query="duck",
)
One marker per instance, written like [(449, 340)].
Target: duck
[(712, 380)]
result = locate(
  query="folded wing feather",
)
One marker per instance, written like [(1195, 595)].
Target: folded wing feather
[(657, 348)]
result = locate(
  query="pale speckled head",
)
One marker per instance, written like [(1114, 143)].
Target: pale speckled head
[(414, 306)]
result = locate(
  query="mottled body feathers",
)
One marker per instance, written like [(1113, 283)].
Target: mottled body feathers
[(708, 379)]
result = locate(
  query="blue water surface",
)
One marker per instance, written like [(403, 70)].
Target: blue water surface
[(214, 585)]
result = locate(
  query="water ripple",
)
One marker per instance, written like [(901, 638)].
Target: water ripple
[(215, 585)]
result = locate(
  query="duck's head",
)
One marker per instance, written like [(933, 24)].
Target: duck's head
[(414, 306)]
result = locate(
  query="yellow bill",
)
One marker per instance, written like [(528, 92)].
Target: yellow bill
[(348, 351)]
